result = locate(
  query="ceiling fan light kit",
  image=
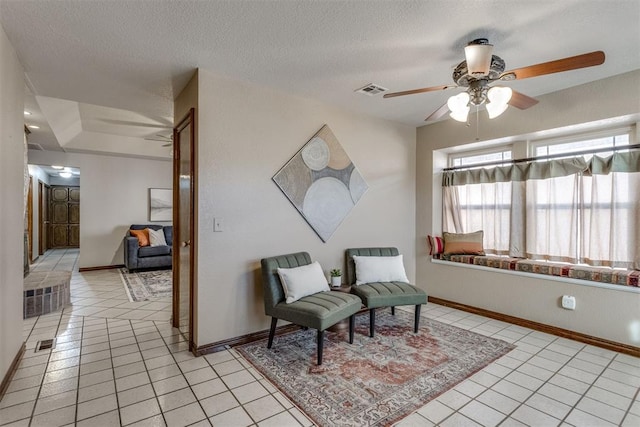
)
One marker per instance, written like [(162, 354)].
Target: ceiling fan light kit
[(499, 98), (481, 68), (459, 106), (478, 56)]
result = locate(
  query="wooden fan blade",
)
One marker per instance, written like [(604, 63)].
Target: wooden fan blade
[(566, 64), (413, 91), (440, 112), (522, 101)]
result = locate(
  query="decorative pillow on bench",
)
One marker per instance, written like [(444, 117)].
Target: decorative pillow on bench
[(436, 245), (463, 243)]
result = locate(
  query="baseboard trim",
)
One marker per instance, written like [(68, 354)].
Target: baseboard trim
[(12, 370), (244, 339), (565, 333), (101, 267)]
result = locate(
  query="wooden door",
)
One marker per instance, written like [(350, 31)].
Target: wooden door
[(183, 219), (65, 217)]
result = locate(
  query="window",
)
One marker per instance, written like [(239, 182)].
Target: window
[(617, 139), (576, 209), (477, 158)]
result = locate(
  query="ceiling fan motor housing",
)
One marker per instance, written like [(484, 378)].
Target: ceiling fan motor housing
[(462, 77)]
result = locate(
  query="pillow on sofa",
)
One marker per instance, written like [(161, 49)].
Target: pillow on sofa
[(156, 237), (379, 269), (436, 245), (142, 235), (463, 243), (302, 281)]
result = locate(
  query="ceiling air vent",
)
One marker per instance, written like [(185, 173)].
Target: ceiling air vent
[(371, 89), (33, 146)]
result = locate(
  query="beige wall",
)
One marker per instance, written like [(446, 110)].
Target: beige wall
[(114, 193), (11, 207), (246, 134), (609, 314)]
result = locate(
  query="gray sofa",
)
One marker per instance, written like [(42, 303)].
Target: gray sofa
[(148, 257)]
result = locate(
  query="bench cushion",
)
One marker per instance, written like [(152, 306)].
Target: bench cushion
[(318, 311), (389, 294)]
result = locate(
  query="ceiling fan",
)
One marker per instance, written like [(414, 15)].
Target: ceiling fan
[(481, 68)]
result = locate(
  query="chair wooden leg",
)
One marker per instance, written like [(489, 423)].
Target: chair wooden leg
[(417, 322), (393, 311), (372, 321), (272, 331), (320, 344), (352, 322)]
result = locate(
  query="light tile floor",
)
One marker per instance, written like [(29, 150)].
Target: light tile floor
[(120, 363)]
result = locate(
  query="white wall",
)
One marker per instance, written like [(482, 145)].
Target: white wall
[(11, 207), (114, 194), (246, 134), (37, 174), (603, 313)]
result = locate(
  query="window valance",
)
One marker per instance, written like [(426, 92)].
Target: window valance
[(618, 162)]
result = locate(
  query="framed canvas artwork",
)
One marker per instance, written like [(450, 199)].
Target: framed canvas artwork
[(160, 204), (322, 183)]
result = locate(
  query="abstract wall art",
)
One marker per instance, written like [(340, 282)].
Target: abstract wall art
[(322, 183)]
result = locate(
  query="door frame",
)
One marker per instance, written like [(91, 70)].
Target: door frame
[(42, 221), (188, 120), (30, 218)]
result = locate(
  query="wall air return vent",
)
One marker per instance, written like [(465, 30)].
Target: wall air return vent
[(371, 89)]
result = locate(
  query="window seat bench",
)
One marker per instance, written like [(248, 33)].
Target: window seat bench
[(628, 278)]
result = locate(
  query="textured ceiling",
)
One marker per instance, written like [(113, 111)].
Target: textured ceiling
[(138, 55)]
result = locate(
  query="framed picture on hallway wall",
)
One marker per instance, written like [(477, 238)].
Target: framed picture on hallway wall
[(160, 204)]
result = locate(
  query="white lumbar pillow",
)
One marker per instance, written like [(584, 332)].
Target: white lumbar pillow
[(379, 269), (302, 281), (156, 237)]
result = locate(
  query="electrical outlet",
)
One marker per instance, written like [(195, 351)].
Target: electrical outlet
[(217, 224), (569, 302)]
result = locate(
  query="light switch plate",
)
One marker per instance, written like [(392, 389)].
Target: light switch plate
[(217, 224)]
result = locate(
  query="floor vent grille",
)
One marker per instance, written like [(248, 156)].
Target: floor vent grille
[(46, 344)]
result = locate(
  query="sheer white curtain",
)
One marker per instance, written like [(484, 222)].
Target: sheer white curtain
[(552, 218), (486, 207), (569, 210), (611, 220)]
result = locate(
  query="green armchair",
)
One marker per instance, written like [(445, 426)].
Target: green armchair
[(318, 311), (383, 294)]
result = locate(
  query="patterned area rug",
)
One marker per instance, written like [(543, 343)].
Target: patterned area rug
[(374, 381), (147, 285)]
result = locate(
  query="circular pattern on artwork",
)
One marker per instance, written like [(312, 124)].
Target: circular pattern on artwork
[(326, 204), (338, 158), (294, 180), (316, 154), (357, 185)]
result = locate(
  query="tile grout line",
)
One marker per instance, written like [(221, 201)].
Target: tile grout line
[(146, 370), (35, 403), (75, 416), (206, 417), (557, 372), (633, 400), (574, 407), (113, 371)]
